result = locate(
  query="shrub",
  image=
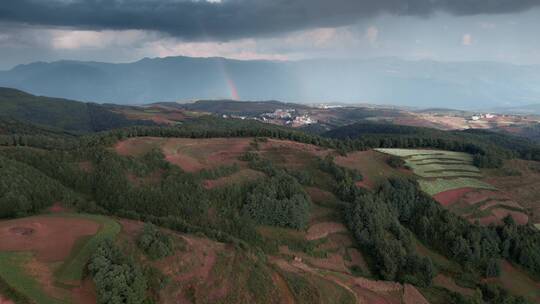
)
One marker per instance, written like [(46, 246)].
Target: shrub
[(395, 161), (154, 243)]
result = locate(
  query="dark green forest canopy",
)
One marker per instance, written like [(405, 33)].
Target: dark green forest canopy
[(60, 114)]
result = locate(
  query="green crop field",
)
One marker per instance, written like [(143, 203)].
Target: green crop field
[(439, 185), (439, 170), (421, 154), (72, 269), (447, 174), (442, 167)]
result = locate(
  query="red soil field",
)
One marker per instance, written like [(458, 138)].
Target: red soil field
[(411, 295), (485, 221), (370, 297), (50, 238), (189, 267), (4, 300), (85, 294), (479, 195), (493, 203), (418, 122), (286, 295), (519, 217), (189, 154), (193, 155), (448, 198), (377, 286)]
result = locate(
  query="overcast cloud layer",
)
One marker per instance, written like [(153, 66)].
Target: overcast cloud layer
[(233, 19), (128, 30)]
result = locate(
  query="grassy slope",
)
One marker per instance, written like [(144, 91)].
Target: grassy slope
[(73, 268), (520, 179), (13, 273)]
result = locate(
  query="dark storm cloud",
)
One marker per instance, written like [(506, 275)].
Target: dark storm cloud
[(230, 19)]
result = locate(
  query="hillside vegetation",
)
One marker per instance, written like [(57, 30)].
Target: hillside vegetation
[(61, 114), (128, 216)]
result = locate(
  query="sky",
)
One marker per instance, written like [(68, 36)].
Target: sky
[(128, 30)]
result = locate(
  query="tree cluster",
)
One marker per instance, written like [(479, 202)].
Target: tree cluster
[(154, 243), (117, 277), (279, 201)]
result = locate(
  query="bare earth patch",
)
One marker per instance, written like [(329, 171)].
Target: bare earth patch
[(322, 230), (286, 295), (50, 238), (85, 294), (45, 277), (411, 295), (237, 177), (519, 217), (4, 300), (447, 198), (477, 196), (191, 268)]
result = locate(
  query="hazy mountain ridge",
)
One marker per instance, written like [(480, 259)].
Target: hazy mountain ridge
[(464, 85)]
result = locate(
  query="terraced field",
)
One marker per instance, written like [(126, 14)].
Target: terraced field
[(452, 179), (440, 170), (439, 185)]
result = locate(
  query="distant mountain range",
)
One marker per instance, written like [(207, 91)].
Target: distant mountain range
[(530, 109), (463, 85)]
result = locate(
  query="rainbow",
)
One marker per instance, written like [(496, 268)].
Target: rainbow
[(233, 90)]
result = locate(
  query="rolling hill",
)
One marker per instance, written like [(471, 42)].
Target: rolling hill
[(60, 114), (213, 210)]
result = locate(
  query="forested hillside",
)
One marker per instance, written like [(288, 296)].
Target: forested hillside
[(61, 114), (239, 211)]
